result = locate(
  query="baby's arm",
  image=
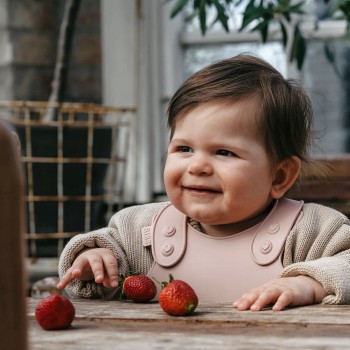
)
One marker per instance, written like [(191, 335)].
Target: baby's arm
[(83, 260), (316, 264), (122, 247), (98, 264), (282, 292)]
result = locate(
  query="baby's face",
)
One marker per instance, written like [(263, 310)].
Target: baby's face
[(217, 170)]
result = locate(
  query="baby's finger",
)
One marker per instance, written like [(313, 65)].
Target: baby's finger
[(97, 268), (283, 301), (267, 297), (65, 280), (111, 268), (246, 300)]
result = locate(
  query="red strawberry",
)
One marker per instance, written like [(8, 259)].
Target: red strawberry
[(139, 288), (177, 298), (55, 312)]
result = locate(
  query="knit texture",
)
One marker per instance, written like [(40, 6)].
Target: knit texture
[(317, 246)]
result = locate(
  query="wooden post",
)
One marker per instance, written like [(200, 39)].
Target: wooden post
[(13, 325)]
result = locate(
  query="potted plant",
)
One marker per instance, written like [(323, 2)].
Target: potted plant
[(260, 15)]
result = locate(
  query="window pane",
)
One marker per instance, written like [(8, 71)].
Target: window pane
[(328, 91), (199, 56)]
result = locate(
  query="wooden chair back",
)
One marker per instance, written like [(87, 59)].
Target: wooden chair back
[(13, 326), (333, 191)]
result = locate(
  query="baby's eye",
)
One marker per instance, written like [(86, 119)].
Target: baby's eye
[(225, 153), (184, 149)]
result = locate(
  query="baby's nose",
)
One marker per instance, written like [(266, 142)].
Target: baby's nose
[(200, 164)]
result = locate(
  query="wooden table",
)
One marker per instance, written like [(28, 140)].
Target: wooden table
[(101, 325)]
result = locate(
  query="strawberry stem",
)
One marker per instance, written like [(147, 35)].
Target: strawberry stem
[(121, 279), (191, 307)]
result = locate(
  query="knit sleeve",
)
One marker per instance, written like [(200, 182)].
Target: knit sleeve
[(123, 238), (319, 246)]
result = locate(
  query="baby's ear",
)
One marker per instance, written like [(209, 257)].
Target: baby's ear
[(285, 174)]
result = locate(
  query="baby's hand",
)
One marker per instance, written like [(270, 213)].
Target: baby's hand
[(282, 292), (97, 264)]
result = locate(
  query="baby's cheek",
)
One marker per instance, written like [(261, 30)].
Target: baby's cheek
[(172, 175), (169, 185)]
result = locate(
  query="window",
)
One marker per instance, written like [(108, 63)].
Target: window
[(327, 88)]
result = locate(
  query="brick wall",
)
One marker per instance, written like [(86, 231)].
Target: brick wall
[(28, 43)]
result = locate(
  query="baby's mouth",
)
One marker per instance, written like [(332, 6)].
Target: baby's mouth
[(196, 189)]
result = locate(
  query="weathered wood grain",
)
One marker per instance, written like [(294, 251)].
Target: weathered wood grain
[(126, 325)]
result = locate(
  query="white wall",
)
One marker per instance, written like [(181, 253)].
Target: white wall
[(137, 38)]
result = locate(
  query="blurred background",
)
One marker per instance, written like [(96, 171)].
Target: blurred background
[(134, 54)]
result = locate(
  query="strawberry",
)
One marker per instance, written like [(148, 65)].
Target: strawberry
[(55, 312), (139, 288), (177, 298)]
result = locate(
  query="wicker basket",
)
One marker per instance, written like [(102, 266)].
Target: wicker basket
[(75, 167)]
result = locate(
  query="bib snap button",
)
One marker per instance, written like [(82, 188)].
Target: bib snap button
[(266, 247), (274, 228), (167, 249), (168, 231)]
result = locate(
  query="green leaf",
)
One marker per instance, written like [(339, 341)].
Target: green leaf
[(196, 4), (297, 8), (298, 51), (330, 56), (222, 16), (203, 17), (179, 6), (342, 6), (163, 285), (252, 13), (263, 28), (286, 15), (284, 34)]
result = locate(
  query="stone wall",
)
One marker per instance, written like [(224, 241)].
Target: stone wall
[(28, 43)]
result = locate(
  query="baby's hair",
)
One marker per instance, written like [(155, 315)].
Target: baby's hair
[(284, 115)]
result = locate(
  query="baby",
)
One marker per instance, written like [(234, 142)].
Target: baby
[(239, 138)]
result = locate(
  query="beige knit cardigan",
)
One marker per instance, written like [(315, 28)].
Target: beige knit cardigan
[(318, 246)]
